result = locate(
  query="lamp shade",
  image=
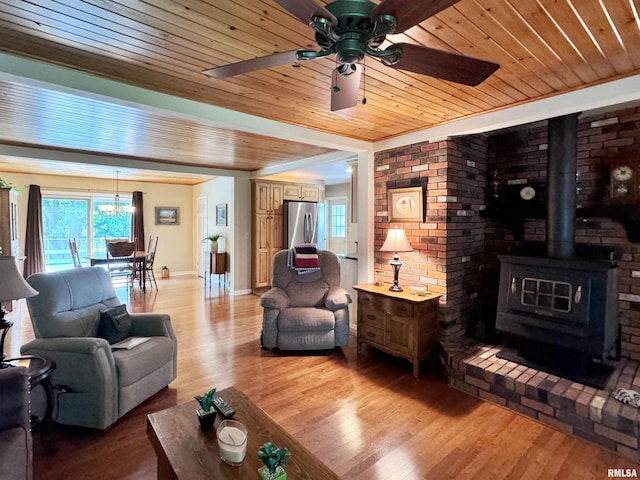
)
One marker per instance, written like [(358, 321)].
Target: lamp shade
[(396, 241), (12, 285)]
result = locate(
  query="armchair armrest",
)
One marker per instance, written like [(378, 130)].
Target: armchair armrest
[(151, 325), (337, 298), (86, 367), (82, 363), (275, 298)]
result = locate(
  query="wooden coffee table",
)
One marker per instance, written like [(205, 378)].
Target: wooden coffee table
[(185, 451)]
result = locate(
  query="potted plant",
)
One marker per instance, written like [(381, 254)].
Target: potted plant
[(206, 413), (214, 241), (10, 186), (273, 460)]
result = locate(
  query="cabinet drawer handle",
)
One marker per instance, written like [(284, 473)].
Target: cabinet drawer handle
[(371, 317), (371, 334)]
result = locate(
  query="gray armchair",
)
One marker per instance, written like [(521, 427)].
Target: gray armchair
[(16, 451), (305, 312), (100, 384)]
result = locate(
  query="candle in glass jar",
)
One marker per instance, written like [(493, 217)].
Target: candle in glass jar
[(232, 441)]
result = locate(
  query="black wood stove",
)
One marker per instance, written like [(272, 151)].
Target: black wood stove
[(561, 309)]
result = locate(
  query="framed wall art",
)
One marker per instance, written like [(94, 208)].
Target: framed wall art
[(406, 204), (221, 215), (167, 215)]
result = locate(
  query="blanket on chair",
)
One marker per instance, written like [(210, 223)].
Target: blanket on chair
[(303, 258)]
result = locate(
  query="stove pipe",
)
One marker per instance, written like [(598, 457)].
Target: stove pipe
[(561, 185)]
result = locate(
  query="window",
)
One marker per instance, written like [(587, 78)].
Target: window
[(338, 220), (68, 216)]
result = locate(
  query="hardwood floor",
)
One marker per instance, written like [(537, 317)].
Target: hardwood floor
[(365, 416)]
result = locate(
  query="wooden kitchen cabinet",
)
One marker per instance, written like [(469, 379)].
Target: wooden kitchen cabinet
[(267, 230), (267, 223), (267, 198), (267, 242), (398, 323), (301, 193)]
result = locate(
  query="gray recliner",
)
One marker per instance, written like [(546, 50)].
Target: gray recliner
[(305, 311), (100, 384)]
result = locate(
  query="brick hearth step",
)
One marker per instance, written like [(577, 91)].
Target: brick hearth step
[(576, 409)]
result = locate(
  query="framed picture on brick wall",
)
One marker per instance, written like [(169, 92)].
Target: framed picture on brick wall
[(406, 204)]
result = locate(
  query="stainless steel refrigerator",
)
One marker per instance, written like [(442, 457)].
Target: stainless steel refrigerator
[(301, 224)]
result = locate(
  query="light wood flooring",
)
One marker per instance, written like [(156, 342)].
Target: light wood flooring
[(365, 415)]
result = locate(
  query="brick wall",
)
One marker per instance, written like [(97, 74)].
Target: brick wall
[(448, 245), (455, 248)]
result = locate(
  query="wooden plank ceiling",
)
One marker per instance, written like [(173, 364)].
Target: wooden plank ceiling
[(544, 47)]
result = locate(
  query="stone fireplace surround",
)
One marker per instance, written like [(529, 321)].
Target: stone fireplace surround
[(578, 410)]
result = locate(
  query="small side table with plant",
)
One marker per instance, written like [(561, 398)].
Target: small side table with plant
[(213, 239)]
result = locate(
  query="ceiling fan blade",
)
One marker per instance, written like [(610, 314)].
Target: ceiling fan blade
[(252, 65), (444, 65), (305, 9), (344, 88), (410, 12)]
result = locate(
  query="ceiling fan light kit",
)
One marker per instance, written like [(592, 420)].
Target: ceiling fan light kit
[(353, 29)]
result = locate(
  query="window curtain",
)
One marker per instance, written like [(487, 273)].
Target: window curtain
[(137, 221), (34, 241)]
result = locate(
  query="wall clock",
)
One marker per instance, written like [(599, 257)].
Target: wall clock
[(624, 181), (527, 193)]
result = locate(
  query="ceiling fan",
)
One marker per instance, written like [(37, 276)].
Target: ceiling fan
[(351, 29)]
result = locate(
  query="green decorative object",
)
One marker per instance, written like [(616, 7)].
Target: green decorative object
[(5, 184), (279, 474), (206, 413), (273, 460), (213, 239)]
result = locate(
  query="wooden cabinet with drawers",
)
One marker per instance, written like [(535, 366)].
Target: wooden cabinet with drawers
[(398, 323)]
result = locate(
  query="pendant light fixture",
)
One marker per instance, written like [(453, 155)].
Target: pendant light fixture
[(116, 208)]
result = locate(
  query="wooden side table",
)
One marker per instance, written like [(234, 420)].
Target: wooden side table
[(398, 323), (217, 266), (40, 372)]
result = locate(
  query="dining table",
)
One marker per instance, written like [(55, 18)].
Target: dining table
[(140, 259)]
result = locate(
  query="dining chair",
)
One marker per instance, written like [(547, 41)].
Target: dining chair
[(151, 255), (75, 256), (121, 260)]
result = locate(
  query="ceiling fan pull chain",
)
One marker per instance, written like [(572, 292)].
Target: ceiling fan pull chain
[(364, 82), (334, 84)]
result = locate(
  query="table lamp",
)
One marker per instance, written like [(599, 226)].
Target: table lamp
[(396, 242), (12, 287)]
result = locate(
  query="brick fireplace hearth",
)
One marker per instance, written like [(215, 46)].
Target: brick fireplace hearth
[(585, 412)]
